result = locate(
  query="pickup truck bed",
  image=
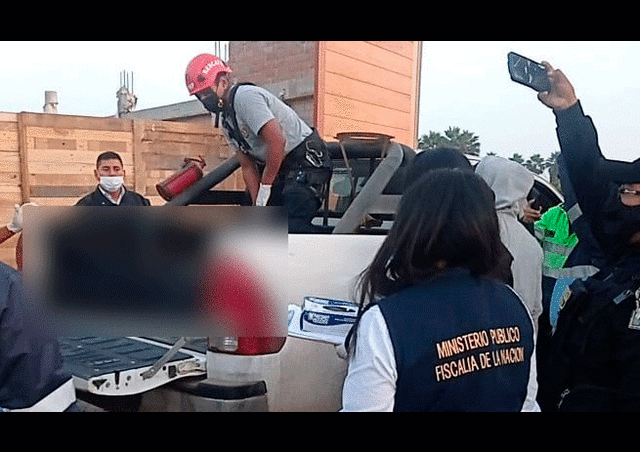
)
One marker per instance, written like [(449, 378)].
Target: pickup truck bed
[(108, 367), (304, 375)]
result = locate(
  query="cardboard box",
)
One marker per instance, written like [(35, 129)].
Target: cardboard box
[(326, 316)]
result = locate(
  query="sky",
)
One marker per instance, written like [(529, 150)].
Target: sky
[(86, 74), (463, 84), (467, 85)]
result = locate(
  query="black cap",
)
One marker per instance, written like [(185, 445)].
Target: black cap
[(620, 172)]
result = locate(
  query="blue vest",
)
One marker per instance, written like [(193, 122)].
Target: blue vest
[(461, 344)]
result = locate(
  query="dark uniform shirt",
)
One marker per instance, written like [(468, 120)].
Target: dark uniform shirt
[(594, 356), (97, 198), (31, 366), (594, 359)]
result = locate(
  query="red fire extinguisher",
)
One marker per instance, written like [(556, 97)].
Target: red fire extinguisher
[(187, 175)]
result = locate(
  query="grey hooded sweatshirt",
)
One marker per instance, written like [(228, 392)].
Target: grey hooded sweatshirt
[(511, 183)]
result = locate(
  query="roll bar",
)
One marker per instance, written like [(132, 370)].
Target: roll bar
[(372, 190), (393, 156)]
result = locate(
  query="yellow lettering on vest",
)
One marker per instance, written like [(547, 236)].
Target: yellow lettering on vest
[(456, 368), (479, 360), (461, 344), (508, 335)]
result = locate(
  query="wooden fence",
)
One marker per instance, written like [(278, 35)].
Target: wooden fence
[(49, 158)]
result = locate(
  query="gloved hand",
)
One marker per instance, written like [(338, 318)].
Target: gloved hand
[(15, 225), (263, 195)]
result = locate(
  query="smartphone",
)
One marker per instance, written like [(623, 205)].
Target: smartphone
[(528, 72), (535, 204)]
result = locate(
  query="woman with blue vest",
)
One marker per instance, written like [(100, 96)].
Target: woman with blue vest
[(435, 332)]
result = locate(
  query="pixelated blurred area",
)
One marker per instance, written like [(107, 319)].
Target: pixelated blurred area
[(169, 270)]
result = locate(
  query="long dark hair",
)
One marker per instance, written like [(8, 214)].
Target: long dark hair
[(446, 219)]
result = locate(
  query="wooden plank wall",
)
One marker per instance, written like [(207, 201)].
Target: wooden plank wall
[(49, 159), (369, 86)]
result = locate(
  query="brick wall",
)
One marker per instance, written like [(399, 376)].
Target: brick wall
[(279, 66)]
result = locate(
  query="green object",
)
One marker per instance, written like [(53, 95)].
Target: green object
[(553, 230)]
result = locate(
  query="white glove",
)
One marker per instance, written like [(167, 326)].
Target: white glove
[(263, 195), (15, 225)]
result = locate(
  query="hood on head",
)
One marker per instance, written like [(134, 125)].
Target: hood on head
[(510, 181)]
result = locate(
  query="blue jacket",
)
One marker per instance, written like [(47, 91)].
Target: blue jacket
[(594, 361), (30, 362), (590, 190), (594, 353)]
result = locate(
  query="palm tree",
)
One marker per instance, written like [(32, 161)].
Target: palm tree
[(536, 164), (465, 141), (516, 157), (431, 141)]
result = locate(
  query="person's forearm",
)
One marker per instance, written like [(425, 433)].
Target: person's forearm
[(252, 183), (274, 138), (249, 175), (578, 141), (269, 174), (272, 167), (581, 156)]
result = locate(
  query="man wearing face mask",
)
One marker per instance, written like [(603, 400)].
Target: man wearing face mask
[(284, 162), (111, 191), (594, 353)]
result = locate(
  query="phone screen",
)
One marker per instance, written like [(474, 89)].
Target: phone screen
[(528, 72)]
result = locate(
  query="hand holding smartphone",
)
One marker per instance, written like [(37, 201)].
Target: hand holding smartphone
[(528, 72), (532, 211)]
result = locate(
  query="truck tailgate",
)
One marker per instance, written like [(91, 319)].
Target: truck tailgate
[(115, 366)]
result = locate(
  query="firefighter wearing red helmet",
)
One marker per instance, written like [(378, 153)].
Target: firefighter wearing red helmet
[(284, 161), (203, 71)]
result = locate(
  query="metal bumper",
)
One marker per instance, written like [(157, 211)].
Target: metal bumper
[(206, 395)]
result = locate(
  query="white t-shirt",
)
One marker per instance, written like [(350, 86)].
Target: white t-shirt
[(254, 107), (370, 384)]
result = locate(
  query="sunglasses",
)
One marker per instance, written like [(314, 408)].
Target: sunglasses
[(626, 191)]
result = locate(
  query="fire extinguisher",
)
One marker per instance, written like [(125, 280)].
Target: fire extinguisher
[(187, 175)]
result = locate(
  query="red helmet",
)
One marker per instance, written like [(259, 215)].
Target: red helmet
[(202, 72)]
